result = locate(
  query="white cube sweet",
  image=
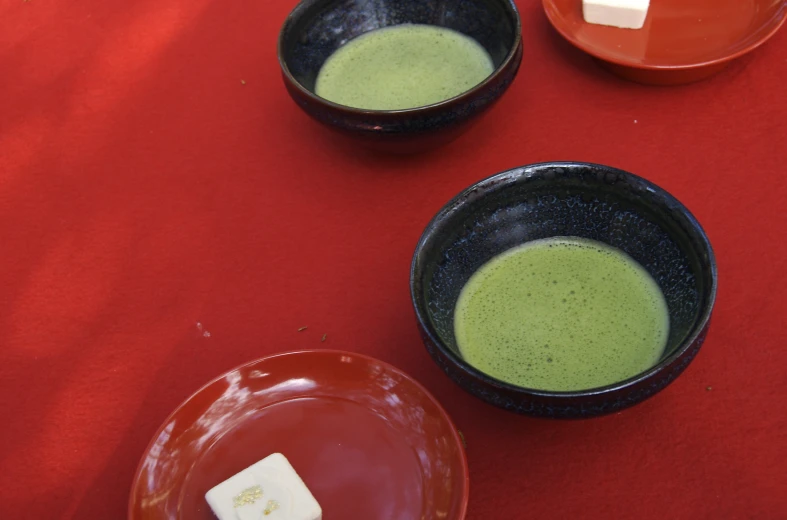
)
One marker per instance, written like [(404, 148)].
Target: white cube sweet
[(626, 14), (268, 489)]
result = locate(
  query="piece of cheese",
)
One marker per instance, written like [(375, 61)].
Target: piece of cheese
[(626, 14), (268, 489)]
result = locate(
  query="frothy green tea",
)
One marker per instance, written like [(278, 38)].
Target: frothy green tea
[(403, 66), (561, 314)]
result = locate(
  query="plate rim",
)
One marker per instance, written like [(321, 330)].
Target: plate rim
[(781, 11), (136, 478)]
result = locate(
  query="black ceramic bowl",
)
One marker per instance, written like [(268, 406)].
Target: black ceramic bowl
[(316, 28), (565, 199)]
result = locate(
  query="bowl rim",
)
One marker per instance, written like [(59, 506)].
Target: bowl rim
[(782, 11), (527, 172), (304, 5), (457, 437)]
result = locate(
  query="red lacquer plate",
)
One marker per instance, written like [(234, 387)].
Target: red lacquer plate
[(682, 40), (368, 441)]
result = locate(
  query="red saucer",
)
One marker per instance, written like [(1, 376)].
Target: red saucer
[(682, 40), (368, 440)]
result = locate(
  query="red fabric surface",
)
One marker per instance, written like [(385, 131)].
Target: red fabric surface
[(144, 188)]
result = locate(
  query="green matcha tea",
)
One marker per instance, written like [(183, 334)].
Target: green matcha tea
[(561, 314), (403, 66)]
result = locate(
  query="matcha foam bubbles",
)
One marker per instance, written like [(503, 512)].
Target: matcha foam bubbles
[(403, 66), (561, 314)]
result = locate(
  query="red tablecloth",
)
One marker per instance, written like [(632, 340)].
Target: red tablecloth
[(157, 184)]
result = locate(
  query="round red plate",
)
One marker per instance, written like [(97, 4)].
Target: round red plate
[(682, 40), (368, 441)]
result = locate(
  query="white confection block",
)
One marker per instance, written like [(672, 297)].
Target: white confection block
[(273, 491), (626, 14)]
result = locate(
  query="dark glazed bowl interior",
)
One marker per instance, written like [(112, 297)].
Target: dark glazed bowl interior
[(316, 28), (565, 199), (315, 35)]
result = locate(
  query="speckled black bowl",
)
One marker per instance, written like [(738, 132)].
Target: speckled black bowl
[(316, 28), (565, 199)]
